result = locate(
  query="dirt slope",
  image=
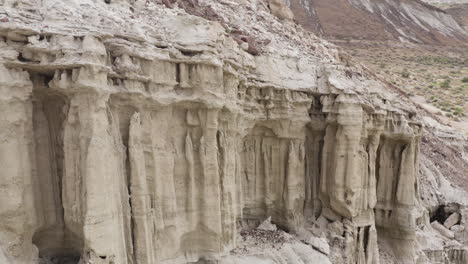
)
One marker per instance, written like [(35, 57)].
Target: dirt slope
[(404, 20), (460, 13)]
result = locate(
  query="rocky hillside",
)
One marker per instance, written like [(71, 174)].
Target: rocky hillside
[(211, 132), (380, 20), (434, 75), (459, 13), (458, 9)]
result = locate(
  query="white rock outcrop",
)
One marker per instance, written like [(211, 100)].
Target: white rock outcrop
[(442, 230), (452, 220)]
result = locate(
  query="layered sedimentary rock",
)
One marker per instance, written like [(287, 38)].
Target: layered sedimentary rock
[(159, 147)]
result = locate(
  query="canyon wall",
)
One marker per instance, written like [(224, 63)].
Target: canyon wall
[(124, 148)]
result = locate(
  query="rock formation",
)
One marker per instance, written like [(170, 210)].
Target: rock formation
[(135, 133)]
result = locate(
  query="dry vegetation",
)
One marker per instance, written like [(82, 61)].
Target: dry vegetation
[(434, 75)]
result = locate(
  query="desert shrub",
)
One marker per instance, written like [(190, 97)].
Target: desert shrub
[(445, 104), (458, 111), (445, 83), (465, 79), (428, 60), (405, 73)]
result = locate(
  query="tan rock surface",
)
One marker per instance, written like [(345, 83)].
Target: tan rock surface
[(136, 133)]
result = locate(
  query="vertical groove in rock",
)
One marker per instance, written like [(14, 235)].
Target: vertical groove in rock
[(140, 198)]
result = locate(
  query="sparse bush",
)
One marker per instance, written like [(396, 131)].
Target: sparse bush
[(405, 73), (445, 104), (429, 60), (465, 79), (445, 84), (458, 111)]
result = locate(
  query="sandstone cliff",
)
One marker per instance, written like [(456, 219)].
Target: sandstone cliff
[(134, 132)]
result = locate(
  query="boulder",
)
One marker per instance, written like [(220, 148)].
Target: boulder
[(442, 230), (319, 243), (267, 225), (452, 220), (280, 9), (462, 236), (336, 228), (457, 228)]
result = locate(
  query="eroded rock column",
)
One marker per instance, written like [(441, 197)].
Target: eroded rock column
[(341, 178), (16, 163), (143, 230), (93, 179)]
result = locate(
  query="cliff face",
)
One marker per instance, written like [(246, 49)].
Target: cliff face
[(134, 133)]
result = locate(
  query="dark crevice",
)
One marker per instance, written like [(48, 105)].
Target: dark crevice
[(377, 160), (439, 215), (22, 58), (189, 53), (366, 238), (61, 258), (177, 73), (444, 211), (221, 162), (397, 171)]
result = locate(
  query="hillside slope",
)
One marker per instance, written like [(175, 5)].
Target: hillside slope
[(404, 20), (460, 13)]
